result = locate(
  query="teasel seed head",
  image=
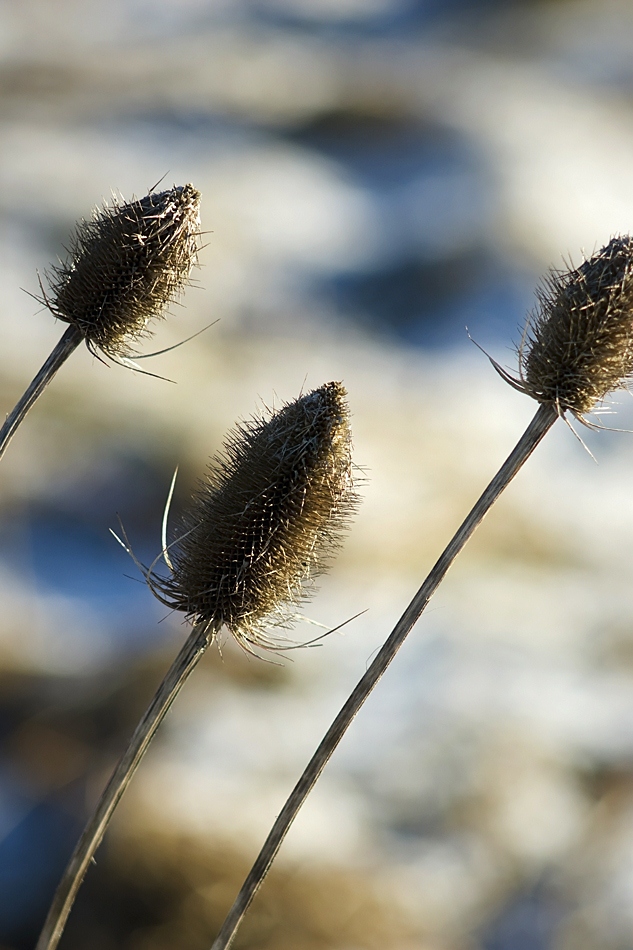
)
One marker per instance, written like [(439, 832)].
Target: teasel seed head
[(266, 520), (578, 344), (124, 266)]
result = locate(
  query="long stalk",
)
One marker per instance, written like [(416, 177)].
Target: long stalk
[(545, 417), (196, 644), (69, 342)]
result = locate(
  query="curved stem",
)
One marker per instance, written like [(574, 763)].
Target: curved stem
[(538, 427), (69, 342), (197, 642)]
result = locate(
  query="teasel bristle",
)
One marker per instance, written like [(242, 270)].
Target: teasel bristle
[(266, 520), (578, 343), (125, 265)]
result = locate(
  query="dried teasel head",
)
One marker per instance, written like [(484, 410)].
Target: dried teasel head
[(266, 519), (578, 344), (124, 266)]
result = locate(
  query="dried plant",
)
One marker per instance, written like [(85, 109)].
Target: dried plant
[(577, 347), (265, 521), (124, 266)]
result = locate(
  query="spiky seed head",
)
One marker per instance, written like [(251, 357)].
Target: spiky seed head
[(266, 519), (578, 344), (125, 265)]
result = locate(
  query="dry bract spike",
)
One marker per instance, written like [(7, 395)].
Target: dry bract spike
[(125, 265), (578, 345), (266, 519)]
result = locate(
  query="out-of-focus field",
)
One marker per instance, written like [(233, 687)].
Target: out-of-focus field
[(375, 175)]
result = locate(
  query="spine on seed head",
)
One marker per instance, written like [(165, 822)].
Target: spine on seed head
[(124, 266), (266, 520), (578, 344)]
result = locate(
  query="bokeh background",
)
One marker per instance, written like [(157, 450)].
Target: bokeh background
[(376, 176)]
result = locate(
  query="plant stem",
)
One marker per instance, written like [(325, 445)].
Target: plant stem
[(196, 644), (541, 423), (69, 342)]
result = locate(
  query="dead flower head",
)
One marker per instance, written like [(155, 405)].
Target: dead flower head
[(578, 344), (265, 520), (124, 266)]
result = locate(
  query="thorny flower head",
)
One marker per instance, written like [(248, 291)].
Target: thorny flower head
[(578, 344), (265, 520), (124, 266)]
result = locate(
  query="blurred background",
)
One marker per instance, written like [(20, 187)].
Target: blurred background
[(377, 175)]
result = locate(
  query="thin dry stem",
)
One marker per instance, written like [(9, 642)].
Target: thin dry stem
[(68, 343), (545, 417), (197, 642)]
